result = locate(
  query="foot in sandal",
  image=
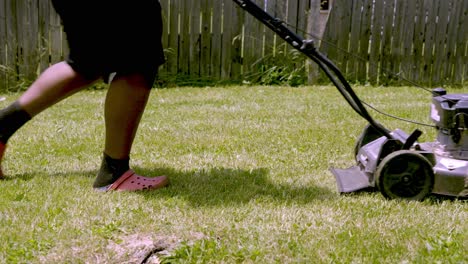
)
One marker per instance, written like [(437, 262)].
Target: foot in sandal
[(130, 181), (115, 175)]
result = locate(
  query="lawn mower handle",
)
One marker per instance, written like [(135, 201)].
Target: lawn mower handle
[(308, 48)]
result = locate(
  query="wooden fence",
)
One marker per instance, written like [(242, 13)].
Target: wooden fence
[(30, 39), (217, 39), (422, 40)]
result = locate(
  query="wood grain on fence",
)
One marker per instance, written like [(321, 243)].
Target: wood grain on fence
[(364, 35), (370, 40), (423, 41), (3, 42), (461, 68), (398, 38), (454, 16)]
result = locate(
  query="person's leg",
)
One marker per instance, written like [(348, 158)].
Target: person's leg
[(125, 103), (56, 83)]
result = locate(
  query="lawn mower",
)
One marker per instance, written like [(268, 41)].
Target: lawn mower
[(393, 162)]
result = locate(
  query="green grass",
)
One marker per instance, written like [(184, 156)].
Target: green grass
[(250, 183)]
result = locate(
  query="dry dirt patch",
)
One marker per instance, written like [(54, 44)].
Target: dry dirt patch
[(141, 248)]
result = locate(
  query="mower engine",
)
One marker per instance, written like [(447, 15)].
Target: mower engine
[(450, 115), (401, 168)]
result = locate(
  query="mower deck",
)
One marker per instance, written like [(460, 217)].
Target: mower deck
[(351, 179)]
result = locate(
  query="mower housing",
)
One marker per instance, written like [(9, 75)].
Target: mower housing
[(402, 168)]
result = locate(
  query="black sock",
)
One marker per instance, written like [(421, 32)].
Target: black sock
[(111, 169), (12, 118)]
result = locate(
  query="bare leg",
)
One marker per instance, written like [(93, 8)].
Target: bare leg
[(125, 103), (56, 83)]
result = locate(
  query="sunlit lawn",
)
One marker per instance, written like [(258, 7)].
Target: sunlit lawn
[(250, 182)]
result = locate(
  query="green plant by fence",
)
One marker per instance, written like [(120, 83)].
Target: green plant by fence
[(423, 40)]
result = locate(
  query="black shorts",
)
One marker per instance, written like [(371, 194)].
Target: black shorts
[(113, 36)]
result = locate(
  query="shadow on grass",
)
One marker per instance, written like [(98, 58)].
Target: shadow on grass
[(22, 177), (215, 186), (226, 186)]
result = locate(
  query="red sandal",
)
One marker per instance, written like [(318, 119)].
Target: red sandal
[(130, 181)]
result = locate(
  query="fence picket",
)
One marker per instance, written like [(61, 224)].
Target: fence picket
[(236, 40), (292, 14), (217, 38), (364, 36), (407, 65), (43, 25), (455, 10), (12, 44), (419, 39), (195, 38), (343, 40), (427, 56), (461, 67), (354, 41), (205, 38), (376, 39), (3, 44), (20, 9), (330, 35), (398, 38), (440, 40), (165, 5), (387, 32), (172, 33), (270, 37), (253, 43), (56, 34), (28, 36), (184, 44), (303, 8), (313, 29), (226, 40)]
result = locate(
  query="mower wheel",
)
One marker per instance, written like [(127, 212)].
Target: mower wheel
[(368, 135), (405, 174)]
